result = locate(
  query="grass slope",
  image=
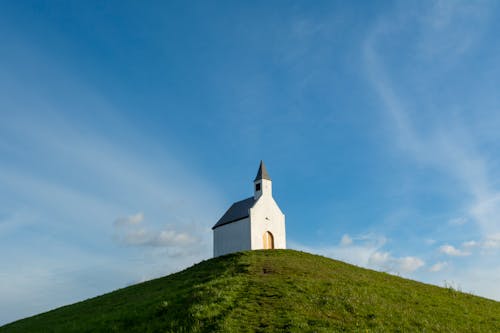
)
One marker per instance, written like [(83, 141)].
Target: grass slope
[(273, 291)]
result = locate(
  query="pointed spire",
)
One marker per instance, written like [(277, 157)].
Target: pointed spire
[(262, 173)]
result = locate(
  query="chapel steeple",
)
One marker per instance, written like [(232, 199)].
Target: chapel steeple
[(262, 182), (262, 173)]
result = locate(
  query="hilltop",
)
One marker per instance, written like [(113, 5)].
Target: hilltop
[(273, 291)]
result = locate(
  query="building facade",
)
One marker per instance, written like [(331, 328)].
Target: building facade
[(252, 224)]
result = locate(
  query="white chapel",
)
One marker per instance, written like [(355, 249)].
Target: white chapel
[(253, 223)]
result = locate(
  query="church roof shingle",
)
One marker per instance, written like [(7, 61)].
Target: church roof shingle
[(262, 173), (238, 210)]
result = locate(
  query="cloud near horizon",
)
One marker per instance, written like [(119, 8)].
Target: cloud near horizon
[(119, 148), (367, 251), (129, 220), (490, 243), (132, 231), (441, 125), (439, 266), (453, 251), (65, 203)]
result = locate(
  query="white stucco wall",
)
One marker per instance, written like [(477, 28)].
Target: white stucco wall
[(265, 215), (232, 237), (266, 188)]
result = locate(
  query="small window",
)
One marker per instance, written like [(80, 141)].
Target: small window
[(257, 187)]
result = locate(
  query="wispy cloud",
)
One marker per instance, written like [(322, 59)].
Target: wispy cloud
[(469, 244), (129, 220), (367, 251), (490, 242), (439, 266), (457, 221), (446, 141), (386, 262), (445, 145), (453, 251), (450, 28), (75, 184), (489, 245), (346, 240), (131, 230)]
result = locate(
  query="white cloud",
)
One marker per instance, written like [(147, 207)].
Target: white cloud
[(453, 251), (130, 220), (449, 145), (486, 210), (162, 238), (492, 242), (366, 251), (404, 265), (488, 245), (379, 259), (408, 264), (469, 244), (489, 242), (131, 231), (91, 181), (457, 221), (346, 240), (430, 241), (439, 266), (172, 237), (450, 28)]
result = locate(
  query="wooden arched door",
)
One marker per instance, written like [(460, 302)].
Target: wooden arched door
[(268, 240)]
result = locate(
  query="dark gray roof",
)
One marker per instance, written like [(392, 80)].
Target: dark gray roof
[(262, 173), (239, 210)]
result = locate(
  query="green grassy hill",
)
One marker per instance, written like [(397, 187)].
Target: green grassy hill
[(273, 291)]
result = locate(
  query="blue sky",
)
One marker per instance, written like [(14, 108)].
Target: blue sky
[(127, 129)]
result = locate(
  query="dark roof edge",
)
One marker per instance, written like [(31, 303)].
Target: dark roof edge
[(236, 220)]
